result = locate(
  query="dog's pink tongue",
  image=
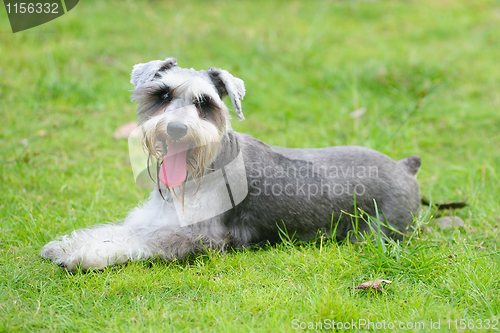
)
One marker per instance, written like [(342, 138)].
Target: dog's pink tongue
[(173, 169)]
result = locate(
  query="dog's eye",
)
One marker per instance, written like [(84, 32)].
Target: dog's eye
[(204, 105), (203, 102), (165, 94)]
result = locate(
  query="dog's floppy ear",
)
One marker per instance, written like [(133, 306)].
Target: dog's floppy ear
[(146, 72), (227, 84)]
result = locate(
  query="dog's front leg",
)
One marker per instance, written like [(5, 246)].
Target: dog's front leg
[(109, 244), (97, 247), (148, 231), (181, 244)]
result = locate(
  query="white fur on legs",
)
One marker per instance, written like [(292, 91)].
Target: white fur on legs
[(108, 244), (97, 247)]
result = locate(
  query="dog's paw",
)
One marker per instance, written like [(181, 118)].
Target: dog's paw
[(82, 254), (72, 258), (59, 253)]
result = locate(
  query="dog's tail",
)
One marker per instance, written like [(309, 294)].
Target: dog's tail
[(410, 165)]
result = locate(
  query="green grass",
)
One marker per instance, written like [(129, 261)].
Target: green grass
[(426, 71)]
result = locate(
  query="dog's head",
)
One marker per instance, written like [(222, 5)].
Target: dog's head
[(182, 116)]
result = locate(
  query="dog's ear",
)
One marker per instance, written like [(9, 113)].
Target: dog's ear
[(227, 84), (146, 72)]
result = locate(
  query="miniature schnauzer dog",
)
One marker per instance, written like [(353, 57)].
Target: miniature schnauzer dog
[(216, 189)]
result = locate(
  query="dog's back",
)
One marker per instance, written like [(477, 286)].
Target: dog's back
[(305, 188)]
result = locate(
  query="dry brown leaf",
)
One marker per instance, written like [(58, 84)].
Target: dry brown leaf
[(374, 285), (124, 130), (444, 205)]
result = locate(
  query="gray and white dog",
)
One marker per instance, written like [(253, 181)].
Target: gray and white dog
[(215, 188)]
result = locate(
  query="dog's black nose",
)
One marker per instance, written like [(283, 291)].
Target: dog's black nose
[(176, 130)]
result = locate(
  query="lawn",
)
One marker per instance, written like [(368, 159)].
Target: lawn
[(428, 75)]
